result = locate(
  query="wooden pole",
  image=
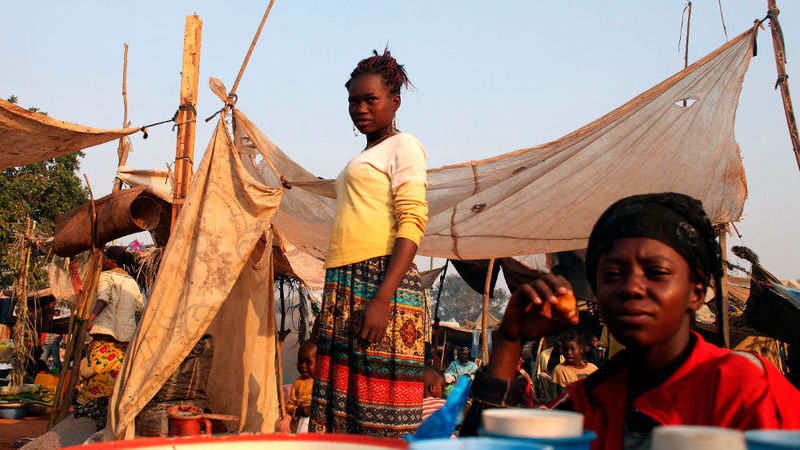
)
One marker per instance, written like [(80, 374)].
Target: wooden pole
[(187, 113), (780, 61), (723, 322), (444, 349), (250, 50), (66, 383), (686, 51), (123, 149), (485, 314)]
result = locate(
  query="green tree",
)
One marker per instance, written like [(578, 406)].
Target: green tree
[(41, 191), (461, 303)]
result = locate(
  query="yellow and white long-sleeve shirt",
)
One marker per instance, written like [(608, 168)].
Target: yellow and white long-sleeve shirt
[(380, 197)]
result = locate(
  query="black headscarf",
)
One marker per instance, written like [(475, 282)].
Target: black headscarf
[(674, 219)]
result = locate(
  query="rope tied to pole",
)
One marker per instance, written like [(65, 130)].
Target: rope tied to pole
[(173, 119)]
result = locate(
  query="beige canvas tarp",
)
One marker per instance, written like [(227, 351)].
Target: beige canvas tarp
[(158, 182), (28, 137), (546, 199), (211, 272)]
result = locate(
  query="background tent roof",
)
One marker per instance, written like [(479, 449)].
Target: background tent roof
[(28, 137)]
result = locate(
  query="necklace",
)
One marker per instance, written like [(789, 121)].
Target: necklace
[(387, 136)]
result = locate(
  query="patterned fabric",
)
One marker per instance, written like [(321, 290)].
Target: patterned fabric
[(430, 405), (95, 409), (375, 390), (105, 358)]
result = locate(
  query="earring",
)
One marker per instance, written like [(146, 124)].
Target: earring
[(355, 131), (394, 125)]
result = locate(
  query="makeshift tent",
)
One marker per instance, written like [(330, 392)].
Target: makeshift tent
[(215, 277), (503, 206), (28, 137)]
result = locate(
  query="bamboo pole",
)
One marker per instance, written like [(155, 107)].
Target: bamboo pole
[(66, 382), (250, 50), (686, 51), (780, 62), (485, 314), (187, 113), (723, 322), (444, 349), (123, 149)]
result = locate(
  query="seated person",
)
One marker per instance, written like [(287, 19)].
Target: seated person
[(299, 404), (432, 400), (462, 365), (574, 367), (649, 260)]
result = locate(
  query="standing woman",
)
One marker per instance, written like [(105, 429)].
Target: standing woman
[(370, 353)]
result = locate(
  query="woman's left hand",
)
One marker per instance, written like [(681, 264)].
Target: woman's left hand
[(375, 319)]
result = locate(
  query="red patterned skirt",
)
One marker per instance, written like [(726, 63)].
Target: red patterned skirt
[(375, 390)]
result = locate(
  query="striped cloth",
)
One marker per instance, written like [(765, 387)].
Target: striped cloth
[(375, 390), (430, 405)]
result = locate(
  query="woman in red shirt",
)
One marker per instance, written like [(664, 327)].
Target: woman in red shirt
[(649, 260)]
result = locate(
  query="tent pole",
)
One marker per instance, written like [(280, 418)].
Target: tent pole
[(485, 314), (444, 349), (187, 113), (723, 322), (436, 309), (686, 51), (780, 62), (122, 149)]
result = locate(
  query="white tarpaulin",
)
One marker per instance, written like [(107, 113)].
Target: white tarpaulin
[(27, 137), (546, 198)]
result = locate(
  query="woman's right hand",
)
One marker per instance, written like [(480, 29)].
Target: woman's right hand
[(539, 308)]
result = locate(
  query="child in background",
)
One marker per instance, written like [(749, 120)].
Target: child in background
[(299, 404), (574, 367), (594, 354), (432, 400)]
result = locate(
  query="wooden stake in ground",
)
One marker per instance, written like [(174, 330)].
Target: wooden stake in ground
[(723, 322), (783, 83), (485, 314), (66, 383), (187, 113)]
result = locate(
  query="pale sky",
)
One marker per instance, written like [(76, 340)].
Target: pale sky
[(490, 77)]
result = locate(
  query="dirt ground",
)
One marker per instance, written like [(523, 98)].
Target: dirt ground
[(12, 430)]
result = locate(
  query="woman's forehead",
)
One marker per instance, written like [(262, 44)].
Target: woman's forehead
[(640, 248)]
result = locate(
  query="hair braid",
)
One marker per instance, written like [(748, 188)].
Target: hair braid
[(394, 74)]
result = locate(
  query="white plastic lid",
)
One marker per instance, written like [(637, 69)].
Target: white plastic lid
[(533, 423)]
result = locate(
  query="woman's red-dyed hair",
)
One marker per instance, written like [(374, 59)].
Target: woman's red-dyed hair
[(385, 65)]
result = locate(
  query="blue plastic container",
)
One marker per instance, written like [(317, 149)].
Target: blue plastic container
[(13, 411), (772, 439), (582, 442), (475, 443)]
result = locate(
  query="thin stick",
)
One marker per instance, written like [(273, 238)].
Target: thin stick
[(444, 349), (686, 52), (122, 149), (783, 83), (485, 313), (66, 383), (723, 322), (250, 51), (724, 28)]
